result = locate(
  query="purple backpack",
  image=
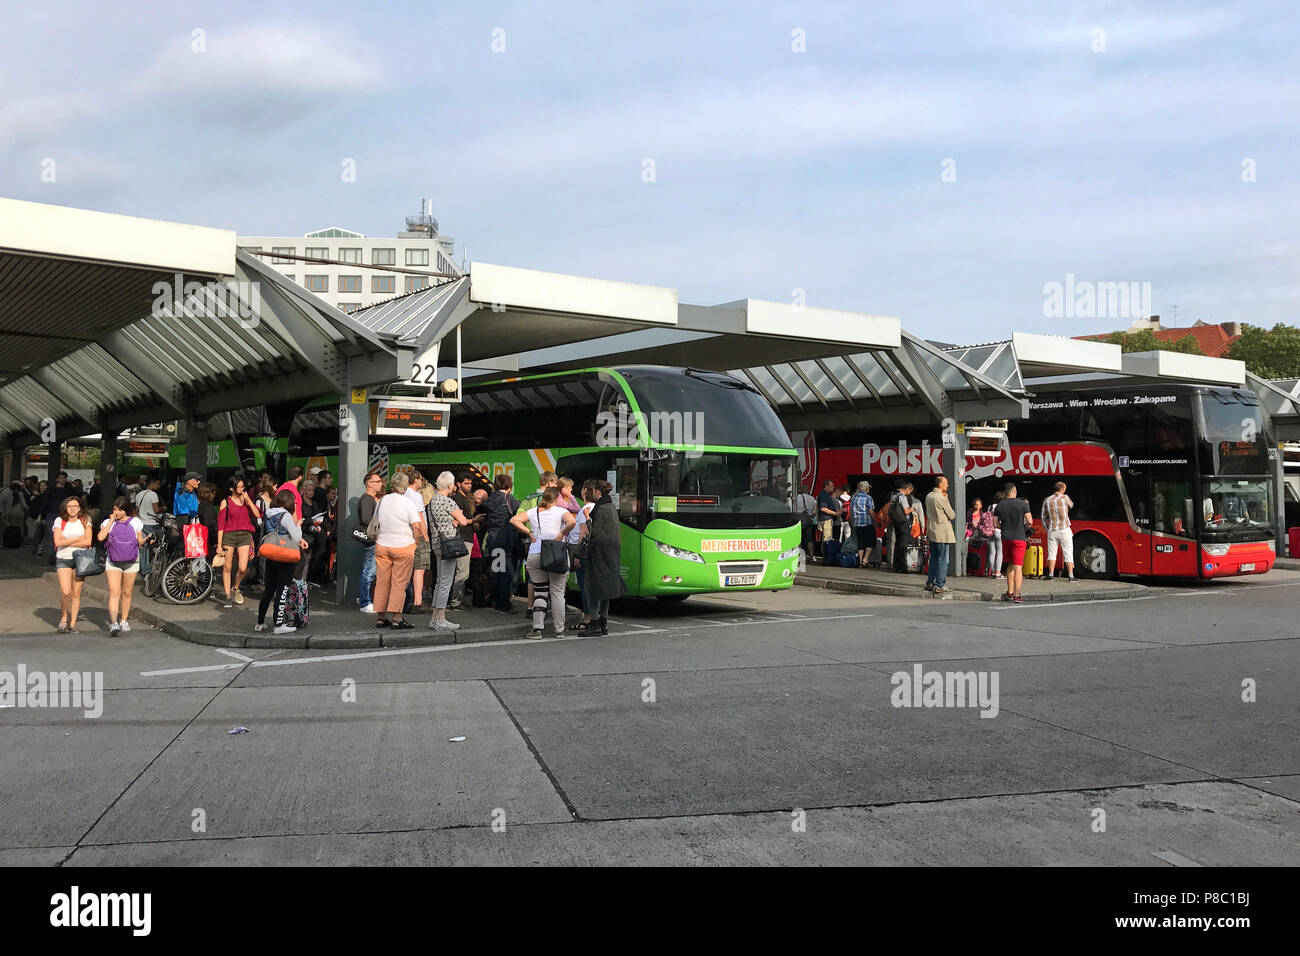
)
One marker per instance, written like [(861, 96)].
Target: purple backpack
[(122, 546)]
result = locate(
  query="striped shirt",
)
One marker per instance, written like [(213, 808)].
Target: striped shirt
[(1056, 512)]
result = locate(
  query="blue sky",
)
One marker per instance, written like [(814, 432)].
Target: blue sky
[(775, 170)]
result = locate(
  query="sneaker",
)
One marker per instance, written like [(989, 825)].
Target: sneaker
[(259, 628), (929, 587), (239, 597), (1071, 579), (229, 602), (446, 626), (535, 634), (559, 635), (115, 629), (1008, 598), (368, 609), (1019, 599), (284, 629), (125, 627)]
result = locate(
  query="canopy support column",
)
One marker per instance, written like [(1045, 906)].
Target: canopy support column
[(954, 469), (196, 445), (354, 456), (108, 472), (1279, 498)]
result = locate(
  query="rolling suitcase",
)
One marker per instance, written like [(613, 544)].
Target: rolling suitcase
[(297, 603), (1033, 566), (831, 553), (977, 558), (912, 555)]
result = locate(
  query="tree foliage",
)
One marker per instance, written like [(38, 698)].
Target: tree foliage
[(1146, 341), (1269, 354)]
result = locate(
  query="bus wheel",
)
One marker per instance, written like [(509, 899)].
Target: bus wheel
[(673, 598), (1094, 558)]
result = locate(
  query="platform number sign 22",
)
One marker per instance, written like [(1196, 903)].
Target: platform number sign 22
[(424, 375)]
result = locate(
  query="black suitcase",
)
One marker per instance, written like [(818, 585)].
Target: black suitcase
[(13, 537)]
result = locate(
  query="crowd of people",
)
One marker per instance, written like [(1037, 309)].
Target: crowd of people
[(910, 535), (428, 547)]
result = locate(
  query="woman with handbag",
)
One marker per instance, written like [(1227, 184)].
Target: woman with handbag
[(237, 520), (282, 528), (549, 524), (445, 517), (122, 534), (72, 532), (604, 583), (398, 523)]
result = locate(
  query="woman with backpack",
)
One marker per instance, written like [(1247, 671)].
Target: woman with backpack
[(237, 520), (279, 574), (122, 533)]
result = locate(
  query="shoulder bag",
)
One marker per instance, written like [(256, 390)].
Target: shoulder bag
[(278, 546), (87, 562), (449, 548)]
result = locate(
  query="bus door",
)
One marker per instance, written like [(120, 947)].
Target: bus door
[(623, 474), (1134, 547), (1173, 539)]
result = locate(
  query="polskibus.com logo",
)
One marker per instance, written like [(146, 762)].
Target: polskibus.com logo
[(78, 909)]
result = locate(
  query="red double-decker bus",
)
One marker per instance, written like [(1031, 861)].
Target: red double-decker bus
[(1167, 481)]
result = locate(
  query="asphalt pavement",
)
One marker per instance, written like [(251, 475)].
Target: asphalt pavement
[(1157, 730)]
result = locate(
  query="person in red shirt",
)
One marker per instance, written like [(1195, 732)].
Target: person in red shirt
[(291, 486), (237, 520)]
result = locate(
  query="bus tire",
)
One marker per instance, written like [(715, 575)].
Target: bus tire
[(1092, 551), (672, 598)]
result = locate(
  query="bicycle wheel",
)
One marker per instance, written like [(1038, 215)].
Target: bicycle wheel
[(187, 580), (152, 581)]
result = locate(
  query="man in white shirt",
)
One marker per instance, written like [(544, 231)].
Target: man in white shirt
[(1056, 519)]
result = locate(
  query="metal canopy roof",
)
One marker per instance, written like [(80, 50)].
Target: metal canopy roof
[(516, 320), (143, 357), (1280, 399)]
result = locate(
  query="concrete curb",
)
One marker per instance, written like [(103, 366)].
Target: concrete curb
[(1124, 592), (369, 639)]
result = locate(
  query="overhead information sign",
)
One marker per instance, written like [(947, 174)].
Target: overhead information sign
[(408, 417)]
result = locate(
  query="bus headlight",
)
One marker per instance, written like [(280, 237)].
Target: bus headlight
[(1218, 550), (1272, 545), (682, 553), (791, 553)]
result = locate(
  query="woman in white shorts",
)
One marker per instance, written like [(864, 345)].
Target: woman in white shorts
[(120, 531)]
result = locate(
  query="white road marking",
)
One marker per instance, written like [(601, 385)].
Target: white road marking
[(1004, 606), (402, 651), (229, 653), (1177, 859), (628, 623)]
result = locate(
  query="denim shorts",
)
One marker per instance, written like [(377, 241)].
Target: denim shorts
[(68, 563)]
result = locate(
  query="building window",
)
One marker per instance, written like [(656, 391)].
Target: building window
[(383, 284), (349, 307), (416, 283), (349, 254), (289, 249), (317, 283), (444, 265), (383, 257), (417, 257), (349, 283), (318, 252)]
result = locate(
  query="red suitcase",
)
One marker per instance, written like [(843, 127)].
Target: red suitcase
[(977, 558)]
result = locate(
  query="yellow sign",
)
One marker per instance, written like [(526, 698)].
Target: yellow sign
[(358, 396)]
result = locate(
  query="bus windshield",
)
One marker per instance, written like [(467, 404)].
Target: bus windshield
[(704, 408), (717, 489), (1234, 442), (1237, 509)]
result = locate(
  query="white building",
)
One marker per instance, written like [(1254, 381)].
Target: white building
[(418, 247)]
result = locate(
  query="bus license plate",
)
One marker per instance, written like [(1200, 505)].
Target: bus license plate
[(1247, 567), (739, 580)]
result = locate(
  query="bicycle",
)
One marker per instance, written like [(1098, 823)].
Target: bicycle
[(180, 580)]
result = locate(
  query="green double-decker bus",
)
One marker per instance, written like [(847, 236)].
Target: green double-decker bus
[(702, 469)]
